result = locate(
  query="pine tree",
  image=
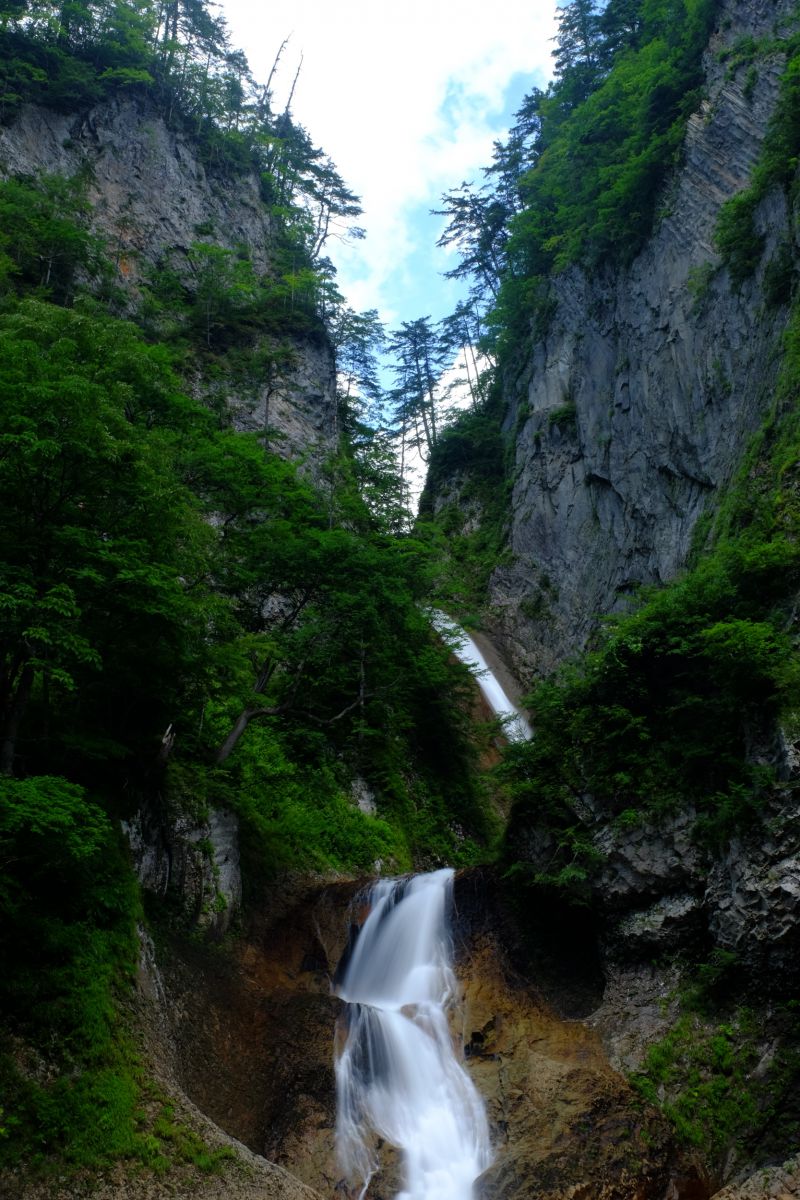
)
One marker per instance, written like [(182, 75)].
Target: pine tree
[(578, 52)]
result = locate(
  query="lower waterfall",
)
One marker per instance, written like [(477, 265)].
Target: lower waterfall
[(398, 1075)]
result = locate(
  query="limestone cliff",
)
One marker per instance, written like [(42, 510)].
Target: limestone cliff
[(631, 413), (152, 196)]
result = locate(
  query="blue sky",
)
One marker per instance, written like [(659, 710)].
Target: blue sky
[(407, 100)]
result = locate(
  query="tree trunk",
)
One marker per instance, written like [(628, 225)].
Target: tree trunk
[(16, 713), (239, 726)]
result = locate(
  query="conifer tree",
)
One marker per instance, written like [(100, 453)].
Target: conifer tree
[(578, 51)]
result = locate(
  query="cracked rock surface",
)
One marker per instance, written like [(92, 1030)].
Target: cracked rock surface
[(630, 415)]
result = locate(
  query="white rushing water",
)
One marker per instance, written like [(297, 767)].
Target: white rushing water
[(398, 1076), (516, 726)]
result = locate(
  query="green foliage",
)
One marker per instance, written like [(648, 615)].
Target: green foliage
[(566, 879), (114, 584), (296, 811), (596, 182), (239, 321), (419, 360), (565, 417), (97, 529), (183, 618), (658, 716), (578, 178), (742, 53), (736, 238), (700, 1077), (176, 60), (724, 1098), (172, 1140), (67, 945), (605, 137), (125, 611), (347, 688), (779, 276), (469, 466), (45, 240), (712, 982)]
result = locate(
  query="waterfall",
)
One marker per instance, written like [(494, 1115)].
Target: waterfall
[(517, 728), (398, 1077)]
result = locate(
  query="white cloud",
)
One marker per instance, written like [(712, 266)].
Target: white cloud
[(405, 98)]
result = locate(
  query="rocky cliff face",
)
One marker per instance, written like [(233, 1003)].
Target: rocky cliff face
[(152, 197), (193, 859), (657, 892), (632, 412)]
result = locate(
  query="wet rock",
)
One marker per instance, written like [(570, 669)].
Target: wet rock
[(639, 1007), (253, 1025), (195, 858), (670, 924), (253, 1030), (223, 832), (657, 890), (647, 859), (563, 1122), (778, 1182), (363, 796)]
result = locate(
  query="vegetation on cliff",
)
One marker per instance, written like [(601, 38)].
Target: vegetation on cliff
[(676, 706), (578, 178), (664, 709), (186, 620), (577, 181), (738, 240)]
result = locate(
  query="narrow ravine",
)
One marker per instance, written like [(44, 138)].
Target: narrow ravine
[(399, 1076)]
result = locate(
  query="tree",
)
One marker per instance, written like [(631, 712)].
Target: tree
[(358, 339), (519, 154), (302, 181), (45, 237), (419, 361), (620, 25), (463, 335), (98, 531), (578, 52), (478, 227), (224, 292)]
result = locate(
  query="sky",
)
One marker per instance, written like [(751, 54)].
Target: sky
[(406, 98)]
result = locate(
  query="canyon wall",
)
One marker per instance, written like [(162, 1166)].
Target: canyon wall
[(152, 197), (630, 415)]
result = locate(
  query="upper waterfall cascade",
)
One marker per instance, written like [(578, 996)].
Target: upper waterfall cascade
[(517, 728), (398, 1075)]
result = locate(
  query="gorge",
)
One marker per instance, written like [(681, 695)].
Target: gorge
[(237, 753)]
